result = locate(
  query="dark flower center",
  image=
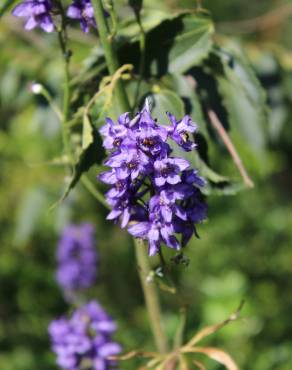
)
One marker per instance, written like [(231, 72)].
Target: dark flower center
[(119, 185), (132, 165), (169, 168), (117, 142), (149, 142)]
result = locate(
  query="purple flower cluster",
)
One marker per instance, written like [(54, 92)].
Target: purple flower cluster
[(77, 257), (153, 192), (39, 13), (84, 341)]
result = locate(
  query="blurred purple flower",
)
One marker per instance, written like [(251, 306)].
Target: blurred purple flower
[(82, 10), (84, 341), (156, 194), (76, 257), (37, 12)]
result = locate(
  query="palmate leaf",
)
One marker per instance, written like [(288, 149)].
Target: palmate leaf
[(174, 45)]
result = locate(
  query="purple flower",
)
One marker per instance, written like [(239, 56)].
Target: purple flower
[(77, 258), (156, 194), (82, 10), (114, 133), (167, 170), (130, 162), (37, 12), (191, 177), (180, 131), (156, 230), (84, 340)]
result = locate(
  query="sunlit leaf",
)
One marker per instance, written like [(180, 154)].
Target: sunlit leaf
[(244, 98), (184, 41), (166, 101)]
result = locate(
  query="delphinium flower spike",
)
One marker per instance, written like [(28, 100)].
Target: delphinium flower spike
[(37, 14), (84, 341), (77, 258), (154, 193)]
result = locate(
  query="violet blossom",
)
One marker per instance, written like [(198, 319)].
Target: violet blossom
[(154, 193), (83, 11), (37, 14), (77, 258), (84, 340)]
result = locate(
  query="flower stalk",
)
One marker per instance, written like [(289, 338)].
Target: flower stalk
[(149, 290), (151, 297)]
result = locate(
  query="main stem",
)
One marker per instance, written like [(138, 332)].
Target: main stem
[(62, 36), (109, 52), (66, 103), (151, 297), (149, 289)]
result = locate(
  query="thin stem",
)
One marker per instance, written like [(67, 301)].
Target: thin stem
[(93, 191), (151, 297), (62, 37), (179, 335), (142, 56), (230, 147), (109, 52), (114, 25)]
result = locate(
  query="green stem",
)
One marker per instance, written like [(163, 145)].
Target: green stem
[(142, 57), (149, 289), (151, 297), (109, 52), (62, 37), (92, 189)]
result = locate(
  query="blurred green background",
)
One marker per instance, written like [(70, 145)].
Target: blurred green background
[(244, 251)]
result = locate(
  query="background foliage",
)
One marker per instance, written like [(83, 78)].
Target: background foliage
[(244, 250)]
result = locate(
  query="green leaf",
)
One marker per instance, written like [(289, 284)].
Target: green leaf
[(192, 43), (243, 98), (150, 19), (92, 153), (87, 133), (175, 45), (166, 101)]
